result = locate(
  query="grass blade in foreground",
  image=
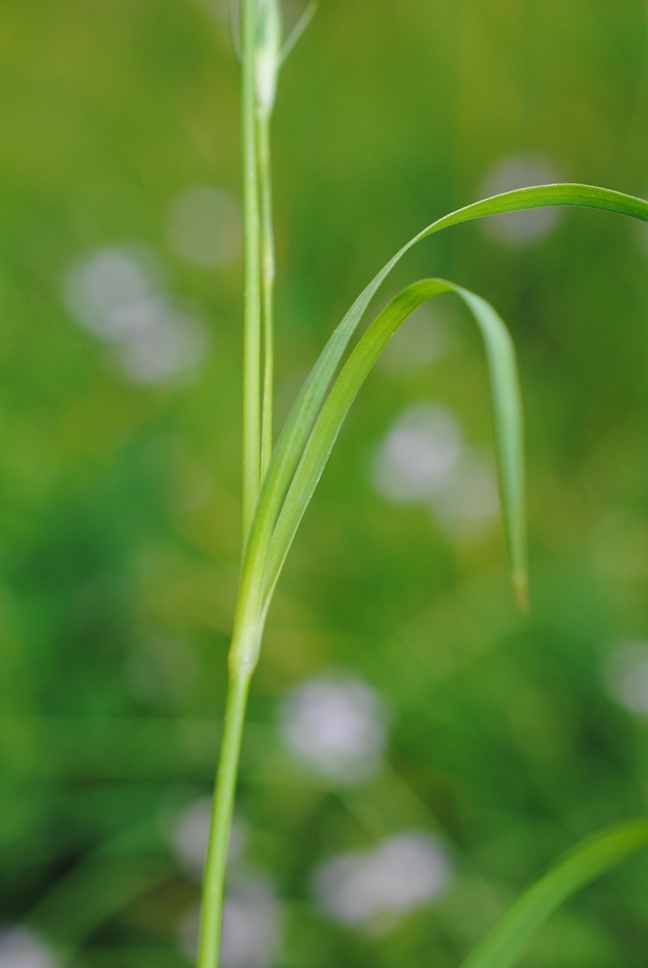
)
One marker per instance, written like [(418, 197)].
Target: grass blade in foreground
[(588, 860), (507, 412), (304, 412)]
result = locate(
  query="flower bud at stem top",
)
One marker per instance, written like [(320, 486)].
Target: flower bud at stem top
[(268, 53)]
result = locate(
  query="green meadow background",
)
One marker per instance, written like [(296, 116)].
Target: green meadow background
[(404, 718)]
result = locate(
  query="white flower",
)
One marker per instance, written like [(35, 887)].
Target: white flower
[(423, 460), (100, 287), (418, 455), (190, 836), (626, 676), (251, 926), (400, 874), (20, 948), (336, 725), (531, 225), (117, 294), (470, 502)]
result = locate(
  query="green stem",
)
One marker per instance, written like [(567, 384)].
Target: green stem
[(267, 283), (252, 295), (214, 878), (244, 648)]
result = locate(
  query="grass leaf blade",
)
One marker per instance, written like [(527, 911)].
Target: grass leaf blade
[(509, 435), (299, 423), (570, 195), (507, 414), (511, 936)]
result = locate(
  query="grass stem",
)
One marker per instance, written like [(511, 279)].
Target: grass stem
[(254, 168), (252, 295), (215, 867), (267, 283)]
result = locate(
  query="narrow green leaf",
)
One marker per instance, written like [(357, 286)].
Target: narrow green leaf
[(588, 860), (299, 423), (507, 414), (543, 196)]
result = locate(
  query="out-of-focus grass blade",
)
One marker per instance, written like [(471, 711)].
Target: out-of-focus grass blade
[(298, 30), (507, 412), (512, 934), (300, 421)]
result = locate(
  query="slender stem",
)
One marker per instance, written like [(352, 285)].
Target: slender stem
[(244, 647), (260, 39), (214, 879), (267, 283), (252, 296)]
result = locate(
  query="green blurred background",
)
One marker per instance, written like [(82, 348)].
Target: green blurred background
[(416, 751)]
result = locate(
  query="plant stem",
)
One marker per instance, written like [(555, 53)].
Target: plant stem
[(261, 32), (214, 878), (244, 648), (252, 295), (267, 283)]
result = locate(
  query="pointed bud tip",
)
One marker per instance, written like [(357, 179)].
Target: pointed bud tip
[(520, 582)]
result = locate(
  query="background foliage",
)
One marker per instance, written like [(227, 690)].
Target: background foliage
[(505, 738)]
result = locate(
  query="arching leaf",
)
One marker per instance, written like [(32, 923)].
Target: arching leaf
[(299, 423), (507, 414)]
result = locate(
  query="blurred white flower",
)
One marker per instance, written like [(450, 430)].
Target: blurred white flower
[(204, 227), (422, 340), (117, 294), (520, 171), (158, 342), (336, 726), (102, 286), (418, 455), (401, 873), (20, 948), (190, 836), (423, 460), (251, 926), (470, 502), (626, 676)]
